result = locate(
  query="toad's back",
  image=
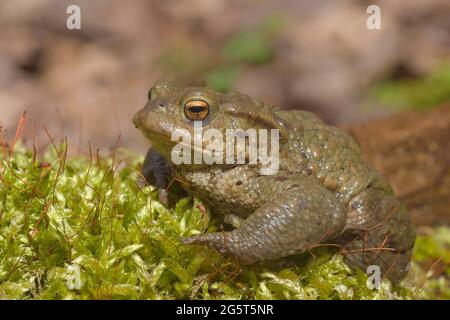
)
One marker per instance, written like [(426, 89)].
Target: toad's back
[(326, 152)]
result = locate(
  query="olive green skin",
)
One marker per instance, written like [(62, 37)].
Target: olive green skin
[(323, 194)]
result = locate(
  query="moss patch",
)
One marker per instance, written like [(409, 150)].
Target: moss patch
[(423, 93), (81, 228)]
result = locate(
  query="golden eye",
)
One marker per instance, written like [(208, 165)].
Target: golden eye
[(196, 110)]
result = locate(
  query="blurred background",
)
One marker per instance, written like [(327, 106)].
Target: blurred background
[(316, 55)]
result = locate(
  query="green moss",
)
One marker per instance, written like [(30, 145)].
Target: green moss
[(220, 65), (420, 94), (60, 218), (254, 46), (222, 78)]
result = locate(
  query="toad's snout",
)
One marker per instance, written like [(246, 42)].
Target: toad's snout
[(152, 119), (142, 115), (138, 118)]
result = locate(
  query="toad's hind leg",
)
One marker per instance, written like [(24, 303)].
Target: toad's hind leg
[(383, 235), (303, 215)]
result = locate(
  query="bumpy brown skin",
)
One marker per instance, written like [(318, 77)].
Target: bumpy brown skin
[(323, 194)]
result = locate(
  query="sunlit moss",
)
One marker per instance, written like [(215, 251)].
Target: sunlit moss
[(62, 216)]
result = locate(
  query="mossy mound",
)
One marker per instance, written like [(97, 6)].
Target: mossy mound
[(81, 228)]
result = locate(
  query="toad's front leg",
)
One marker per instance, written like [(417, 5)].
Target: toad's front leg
[(302, 216), (156, 171)]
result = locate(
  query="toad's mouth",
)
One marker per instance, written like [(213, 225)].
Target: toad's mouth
[(156, 127)]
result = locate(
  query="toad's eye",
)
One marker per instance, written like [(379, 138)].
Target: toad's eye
[(196, 110)]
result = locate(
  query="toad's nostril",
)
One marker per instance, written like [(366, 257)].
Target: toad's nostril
[(154, 105)]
